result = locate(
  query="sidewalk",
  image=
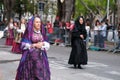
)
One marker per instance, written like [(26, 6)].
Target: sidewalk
[(8, 61), (6, 49), (2, 43)]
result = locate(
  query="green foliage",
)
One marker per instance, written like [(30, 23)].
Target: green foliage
[(17, 6), (78, 8), (96, 7), (28, 6), (22, 6)]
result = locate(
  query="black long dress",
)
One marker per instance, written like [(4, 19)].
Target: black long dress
[(78, 53)]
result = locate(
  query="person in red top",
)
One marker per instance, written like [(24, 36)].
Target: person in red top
[(69, 27), (49, 27), (49, 30)]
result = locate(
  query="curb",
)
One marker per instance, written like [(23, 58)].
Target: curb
[(4, 46)]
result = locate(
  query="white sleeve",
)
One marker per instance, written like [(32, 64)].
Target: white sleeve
[(27, 46), (46, 46), (6, 28), (23, 28)]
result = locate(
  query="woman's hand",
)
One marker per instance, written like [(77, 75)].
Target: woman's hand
[(81, 36), (33, 45), (37, 45)]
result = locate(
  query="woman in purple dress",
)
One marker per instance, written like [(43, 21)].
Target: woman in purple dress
[(34, 62)]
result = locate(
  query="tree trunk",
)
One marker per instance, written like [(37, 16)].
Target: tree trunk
[(66, 10), (69, 9), (118, 10), (60, 10), (9, 4)]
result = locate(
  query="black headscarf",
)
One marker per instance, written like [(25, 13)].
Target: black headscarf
[(79, 26)]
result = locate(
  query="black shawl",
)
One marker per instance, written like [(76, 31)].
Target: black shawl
[(79, 29)]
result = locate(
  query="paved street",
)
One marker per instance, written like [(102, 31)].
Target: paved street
[(101, 65)]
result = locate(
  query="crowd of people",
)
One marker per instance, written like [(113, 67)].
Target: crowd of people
[(15, 30), (59, 33), (100, 30)]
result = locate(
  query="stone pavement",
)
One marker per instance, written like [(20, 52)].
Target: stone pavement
[(7, 61), (60, 70)]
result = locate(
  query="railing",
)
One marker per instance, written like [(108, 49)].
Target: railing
[(109, 44)]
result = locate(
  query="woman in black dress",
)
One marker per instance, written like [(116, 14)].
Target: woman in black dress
[(78, 54)]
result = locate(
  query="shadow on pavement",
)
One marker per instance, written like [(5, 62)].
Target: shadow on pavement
[(8, 61)]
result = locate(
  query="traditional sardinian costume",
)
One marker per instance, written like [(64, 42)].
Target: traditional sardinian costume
[(10, 35), (78, 53), (17, 40), (34, 62)]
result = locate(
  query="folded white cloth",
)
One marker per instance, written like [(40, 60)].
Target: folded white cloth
[(27, 46), (46, 46), (19, 31)]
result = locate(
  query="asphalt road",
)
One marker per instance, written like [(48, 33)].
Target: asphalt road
[(101, 65)]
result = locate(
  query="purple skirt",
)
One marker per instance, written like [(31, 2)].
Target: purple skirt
[(33, 66)]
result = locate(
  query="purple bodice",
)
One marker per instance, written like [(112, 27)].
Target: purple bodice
[(36, 37)]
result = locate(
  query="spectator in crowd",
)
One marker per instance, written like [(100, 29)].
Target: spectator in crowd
[(72, 25), (56, 27), (62, 33), (102, 35), (57, 30), (96, 32), (118, 46), (87, 27), (49, 30), (108, 28)]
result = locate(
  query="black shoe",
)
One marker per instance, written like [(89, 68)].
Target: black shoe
[(79, 66), (117, 48), (74, 65)]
